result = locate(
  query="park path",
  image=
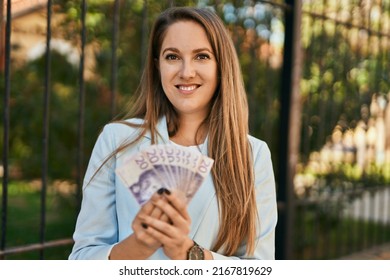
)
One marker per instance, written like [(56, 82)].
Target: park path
[(381, 252)]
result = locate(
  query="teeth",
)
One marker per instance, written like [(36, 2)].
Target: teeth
[(187, 88)]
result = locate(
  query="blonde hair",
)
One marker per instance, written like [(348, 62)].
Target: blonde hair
[(227, 125)]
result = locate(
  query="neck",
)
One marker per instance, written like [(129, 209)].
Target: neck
[(188, 134)]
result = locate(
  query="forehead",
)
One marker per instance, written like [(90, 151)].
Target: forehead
[(185, 35)]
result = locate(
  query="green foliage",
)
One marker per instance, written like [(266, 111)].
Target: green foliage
[(26, 118), (24, 213), (340, 74), (322, 233)]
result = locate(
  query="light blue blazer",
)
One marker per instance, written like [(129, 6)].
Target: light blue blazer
[(108, 207)]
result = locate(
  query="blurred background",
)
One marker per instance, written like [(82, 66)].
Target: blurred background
[(317, 75)]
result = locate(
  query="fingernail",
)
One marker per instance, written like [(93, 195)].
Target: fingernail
[(145, 226), (168, 192), (161, 191)]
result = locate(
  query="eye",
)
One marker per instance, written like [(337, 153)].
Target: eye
[(202, 56), (171, 57)]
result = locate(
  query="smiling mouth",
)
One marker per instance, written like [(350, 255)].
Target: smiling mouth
[(187, 87)]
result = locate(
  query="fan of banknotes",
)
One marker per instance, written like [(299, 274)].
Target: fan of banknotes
[(164, 166)]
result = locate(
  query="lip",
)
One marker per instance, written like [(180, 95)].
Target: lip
[(187, 88)]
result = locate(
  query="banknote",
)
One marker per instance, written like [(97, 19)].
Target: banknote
[(164, 166), (139, 175)]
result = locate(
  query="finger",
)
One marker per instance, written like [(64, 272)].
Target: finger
[(157, 212), (161, 237), (160, 230), (172, 214), (144, 237), (177, 199), (175, 207), (174, 241), (149, 209)]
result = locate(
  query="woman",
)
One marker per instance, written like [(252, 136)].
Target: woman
[(191, 94)]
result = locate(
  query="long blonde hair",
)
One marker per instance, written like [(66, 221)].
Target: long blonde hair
[(227, 125)]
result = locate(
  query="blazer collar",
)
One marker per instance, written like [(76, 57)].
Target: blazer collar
[(162, 129), (162, 135)]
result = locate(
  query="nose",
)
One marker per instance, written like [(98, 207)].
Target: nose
[(187, 70)]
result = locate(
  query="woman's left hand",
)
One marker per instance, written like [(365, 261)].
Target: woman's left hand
[(173, 235)]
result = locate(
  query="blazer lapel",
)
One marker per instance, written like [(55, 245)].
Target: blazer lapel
[(200, 204), (162, 135), (201, 201)]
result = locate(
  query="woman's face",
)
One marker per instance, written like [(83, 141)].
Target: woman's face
[(188, 69)]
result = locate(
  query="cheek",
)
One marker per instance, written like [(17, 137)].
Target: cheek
[(163, 80), (166, 74), (211, 73)]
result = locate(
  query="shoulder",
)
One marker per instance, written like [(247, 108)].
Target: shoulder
[(119, 132), (259, 147), (124, 126)]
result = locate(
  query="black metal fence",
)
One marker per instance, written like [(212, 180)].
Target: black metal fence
[(312, 70), (342, 179)]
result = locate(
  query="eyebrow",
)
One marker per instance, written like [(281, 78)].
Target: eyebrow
[(193, 51)]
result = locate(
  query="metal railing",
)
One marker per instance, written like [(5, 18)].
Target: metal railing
[(343, 175)]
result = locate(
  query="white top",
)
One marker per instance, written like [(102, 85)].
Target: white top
[(197, 148)]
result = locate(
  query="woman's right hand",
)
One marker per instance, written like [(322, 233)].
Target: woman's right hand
[(139, 228), (140, 245)]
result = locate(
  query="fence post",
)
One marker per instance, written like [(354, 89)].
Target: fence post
[(81, 116), (45, 124), (6, 125), (290, 125)]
